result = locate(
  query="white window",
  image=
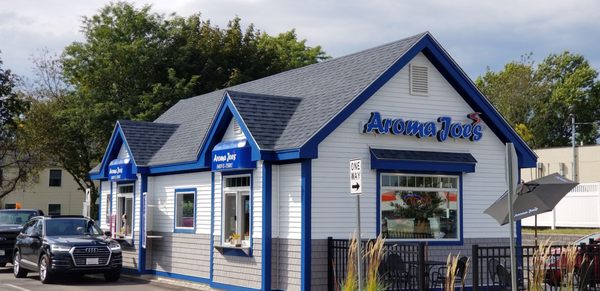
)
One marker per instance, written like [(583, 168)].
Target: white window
[(420, 207), (237, 212), (125, 211), (185, 209)]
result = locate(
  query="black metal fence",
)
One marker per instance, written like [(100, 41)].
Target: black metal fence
[(402, 267), (491, 267)]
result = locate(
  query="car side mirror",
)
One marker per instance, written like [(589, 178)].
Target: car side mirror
[(35, 235), (107, 233)]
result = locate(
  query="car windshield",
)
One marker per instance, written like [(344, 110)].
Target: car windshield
[(15, 217), (71, 226)]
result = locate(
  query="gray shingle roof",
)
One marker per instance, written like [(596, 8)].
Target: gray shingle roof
[(146, 138), (316, 92)]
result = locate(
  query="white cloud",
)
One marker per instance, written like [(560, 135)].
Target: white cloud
[(476, 33)]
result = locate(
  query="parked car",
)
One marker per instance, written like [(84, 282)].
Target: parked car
[(52, 245), (557, 259), (11, 223)]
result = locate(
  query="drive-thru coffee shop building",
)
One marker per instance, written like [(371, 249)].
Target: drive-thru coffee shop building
[(240, 188)]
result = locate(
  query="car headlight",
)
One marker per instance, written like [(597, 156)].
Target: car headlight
[(114, 246), (59, 248)]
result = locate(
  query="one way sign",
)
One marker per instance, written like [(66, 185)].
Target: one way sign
[(355, 177)]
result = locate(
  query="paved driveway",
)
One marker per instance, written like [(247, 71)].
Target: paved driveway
[(89, 282)]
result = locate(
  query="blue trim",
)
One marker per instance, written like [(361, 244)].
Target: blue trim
[(141, 249), (112, 150), (218, 127), (455, 76), (184, 190), (230, 287), (212, 222), (406, 165), (110, 209), (305, 240), (455, 242), (266, 225)]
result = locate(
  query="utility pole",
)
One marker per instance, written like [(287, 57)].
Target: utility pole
[(574, 167)]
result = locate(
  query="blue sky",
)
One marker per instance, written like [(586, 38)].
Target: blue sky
[(478, 34)]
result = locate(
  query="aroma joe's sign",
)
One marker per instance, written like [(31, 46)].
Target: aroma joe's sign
[(442, 129)]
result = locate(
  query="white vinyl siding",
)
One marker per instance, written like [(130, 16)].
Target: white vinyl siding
[(287, 211), (161, 195), (333, 209), (104, 207)]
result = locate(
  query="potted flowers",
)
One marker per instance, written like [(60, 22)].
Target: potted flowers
[(235, 239)]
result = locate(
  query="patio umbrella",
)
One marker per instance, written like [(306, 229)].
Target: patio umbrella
[(533, 197)]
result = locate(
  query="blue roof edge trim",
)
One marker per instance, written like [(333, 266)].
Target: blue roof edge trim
[(217, 129), (117, 139), (459, 81)]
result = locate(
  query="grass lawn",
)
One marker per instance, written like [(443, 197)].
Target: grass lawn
[(578, 231)]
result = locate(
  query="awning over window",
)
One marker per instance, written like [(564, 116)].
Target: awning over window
[(232, 155), (387, 159), (120, 170)]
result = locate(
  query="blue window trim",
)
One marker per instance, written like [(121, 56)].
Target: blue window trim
[(233, 251), (175, 193), (305, 239), (432, 242)]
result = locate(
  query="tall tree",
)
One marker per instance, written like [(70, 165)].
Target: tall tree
[(134, 64), (539, 100), (567, 81), (17, 164)]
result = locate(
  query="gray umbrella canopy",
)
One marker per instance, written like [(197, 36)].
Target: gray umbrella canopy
[(534, 197)]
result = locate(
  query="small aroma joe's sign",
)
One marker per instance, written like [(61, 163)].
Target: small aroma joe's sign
[(231, 155), (119, 170), (442, 129)]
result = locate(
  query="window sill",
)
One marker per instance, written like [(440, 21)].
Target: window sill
[(184, 230), (125, 241), (228, 250)]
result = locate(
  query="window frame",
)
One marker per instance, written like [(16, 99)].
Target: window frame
[(50, 179), (59, 208), (459, 212), (238, 190), (182, 191), (131, 220)]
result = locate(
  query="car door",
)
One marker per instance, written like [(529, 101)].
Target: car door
[(24, 242), (36, 241)]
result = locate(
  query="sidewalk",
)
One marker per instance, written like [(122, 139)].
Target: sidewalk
[(169, 281)]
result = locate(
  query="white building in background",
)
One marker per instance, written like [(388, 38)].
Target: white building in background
[(54, 191), (241, 188)]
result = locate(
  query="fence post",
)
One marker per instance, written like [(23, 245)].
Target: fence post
[(330, 284), (421, 273), (475, 271)]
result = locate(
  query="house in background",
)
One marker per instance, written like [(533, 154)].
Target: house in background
[(560, 160), (54, 191)]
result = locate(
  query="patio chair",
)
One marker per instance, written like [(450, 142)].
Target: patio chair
[(586, 276), (504, 279), (438, 278), (396, 273)]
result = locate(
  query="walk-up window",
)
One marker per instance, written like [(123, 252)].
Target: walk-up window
[(415, 206), (236, 226), (125, 210)]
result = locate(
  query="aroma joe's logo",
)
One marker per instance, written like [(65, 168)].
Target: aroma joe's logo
[(442, 129)]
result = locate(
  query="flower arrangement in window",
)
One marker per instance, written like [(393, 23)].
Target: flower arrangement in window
[(235, 239), (420, 207)]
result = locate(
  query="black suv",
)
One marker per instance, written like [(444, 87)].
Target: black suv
[(11, 223), (65, 244)]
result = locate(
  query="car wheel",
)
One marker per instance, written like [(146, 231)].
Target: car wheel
[(112, 276), (18, 271), (46, 276)]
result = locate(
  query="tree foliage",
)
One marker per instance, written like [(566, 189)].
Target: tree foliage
[(134, 64), (539, 100), (17, 163)]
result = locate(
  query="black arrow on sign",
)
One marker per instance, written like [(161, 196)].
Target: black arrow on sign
[(356, 186)]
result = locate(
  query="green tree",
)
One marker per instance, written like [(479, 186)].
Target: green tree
[(567, 81), (17, 163), (538, 100), (134, 64)]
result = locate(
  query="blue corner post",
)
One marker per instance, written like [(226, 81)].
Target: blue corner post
[(267, 225), (306, 192)]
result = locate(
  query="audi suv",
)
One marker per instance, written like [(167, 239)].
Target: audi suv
[(53, 245)]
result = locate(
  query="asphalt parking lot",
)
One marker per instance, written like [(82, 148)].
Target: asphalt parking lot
[(89, 282)]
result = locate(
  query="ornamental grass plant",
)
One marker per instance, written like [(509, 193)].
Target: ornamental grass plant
[(452, 272)]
